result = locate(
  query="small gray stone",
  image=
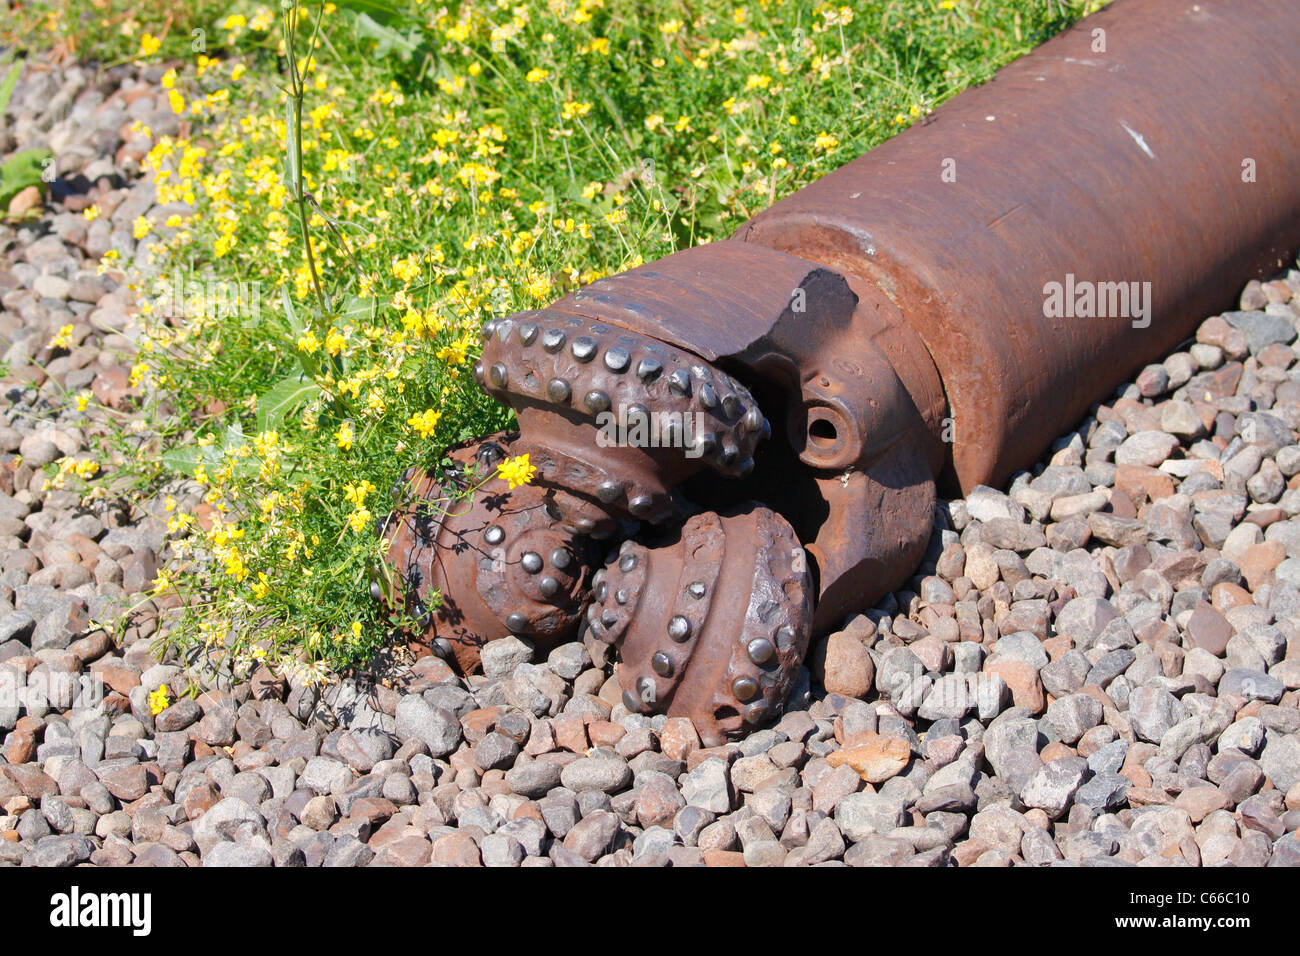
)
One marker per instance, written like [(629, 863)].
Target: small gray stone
[(860, 814), (501, 657), (438, 729), (709, 787), (1252, 684), (238, 854)]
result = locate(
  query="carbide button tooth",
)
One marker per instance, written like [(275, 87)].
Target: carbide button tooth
[(553, 340), (498, 375), (679, 383), (761, 650), (662, 664), (583, 348), (731, 405), (648, 369), (596, 402), (617, 359), (558, 391), (640, 506), (745, 689), (708, 397), (608, 492), (528, 333)]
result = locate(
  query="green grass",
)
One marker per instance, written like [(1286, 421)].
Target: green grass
[(455, 167)]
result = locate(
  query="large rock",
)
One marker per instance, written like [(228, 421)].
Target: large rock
[(846, 666), (876, 757), (417, 719), (861, 814), (709, 787), (1152, 711), (1281, 760), (1052, 787)]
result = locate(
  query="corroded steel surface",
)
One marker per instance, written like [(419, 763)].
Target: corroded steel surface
[(711, 622), (1132, 164), (883, 330), (471, 570)]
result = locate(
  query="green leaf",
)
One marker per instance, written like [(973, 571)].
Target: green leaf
[(388, 39), (20, 171), (357, 309), (7, 89), (183, 460), (282, 398), (290, 313)]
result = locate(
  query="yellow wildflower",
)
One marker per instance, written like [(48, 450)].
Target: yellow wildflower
[(159, 700), (516, 471), (62, 339), (425, 422), (345, 436), (336, 341)]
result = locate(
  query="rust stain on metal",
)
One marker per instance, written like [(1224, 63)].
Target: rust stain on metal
[(789, 399)]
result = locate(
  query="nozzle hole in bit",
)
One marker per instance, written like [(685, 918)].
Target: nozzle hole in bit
[(823, 433)]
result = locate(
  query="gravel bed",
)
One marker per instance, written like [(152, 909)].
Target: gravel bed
[(1098, 665)]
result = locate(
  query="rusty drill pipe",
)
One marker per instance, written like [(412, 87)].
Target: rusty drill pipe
[(799, 391)]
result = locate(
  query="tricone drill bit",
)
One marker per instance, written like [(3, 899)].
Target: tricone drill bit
[(801, 391)]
